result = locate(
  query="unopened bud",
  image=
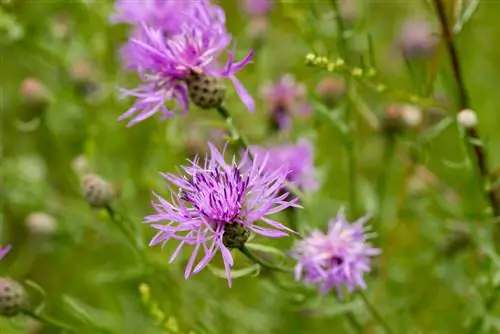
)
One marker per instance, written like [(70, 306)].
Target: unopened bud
[(34, 92), (206, 91), (331, 90), (458, 239), (417, 40), (97, 192), (412, 116), (41, 223), (392, 120), (467, 118), (83, 76), (13, 297), (235, 235), (258, 27), (80, 165)]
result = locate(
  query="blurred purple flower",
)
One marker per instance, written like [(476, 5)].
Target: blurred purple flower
[(257, 7), (217, 202), (165, 63), (285, 98), (300, 161), (4, 251), (340, 257), (167, 15)]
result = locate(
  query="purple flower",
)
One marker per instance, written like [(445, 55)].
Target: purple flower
[(258, 7), (217, 205), (340, 257), (4, 251), (167, 15), (166, 63), (300, 161), (285, 98)]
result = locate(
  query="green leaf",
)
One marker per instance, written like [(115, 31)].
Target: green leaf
[(79, 309), (437, 129), (253, 269)]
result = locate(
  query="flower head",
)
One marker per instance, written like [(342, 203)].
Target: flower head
[(300, 161), (167, 65), (285, 98), (335, 259), (217, 205)]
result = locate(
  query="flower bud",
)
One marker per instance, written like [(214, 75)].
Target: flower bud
[(458, 239), (235, 235), (33, 92), (41, 223), (416, 39), (206, 91), (80, 165), (13, 297), (258, 27), (467, 118), (97, 192), (82, 74), (392, 120), (331, 90), (412, 116)]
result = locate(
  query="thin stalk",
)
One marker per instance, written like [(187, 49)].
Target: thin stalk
[(120, 224), (252, 257), (374, 313), (242, 141), (350, 147), (354, 322), (471, 134), (389, 150), (49, 321)]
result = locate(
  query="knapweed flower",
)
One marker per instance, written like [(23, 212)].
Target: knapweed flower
[(298, 157), (4, 250), (217, 205), (184, 64), (338, 258), (285, 98)]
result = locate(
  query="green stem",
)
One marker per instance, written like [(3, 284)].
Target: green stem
[(49, 321), (389, 150), (119, 222), (375, 314), (488, 305), (354, 322), (242, 141), (261, 262)]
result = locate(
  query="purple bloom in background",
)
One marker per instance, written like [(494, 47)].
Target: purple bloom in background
[(300, 161), (335, 259), (257, 7), (285, 98), (167, 64), (217, 205), (4, 251)]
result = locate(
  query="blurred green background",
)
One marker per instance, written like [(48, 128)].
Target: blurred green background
[(90, 275)]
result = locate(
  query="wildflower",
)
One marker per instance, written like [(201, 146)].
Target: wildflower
[(13, 297), (217, 206), (300, 161), (416, 39), (4, 250), (285, 98), (335, 259), (183, 64)]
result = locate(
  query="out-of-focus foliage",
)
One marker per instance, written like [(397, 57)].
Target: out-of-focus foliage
[(420, 186)]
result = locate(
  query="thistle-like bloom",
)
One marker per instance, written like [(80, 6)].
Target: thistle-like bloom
[(285, 98), (4, 251), (300, 161), (217, 205), (338, 258), (186, 62)]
